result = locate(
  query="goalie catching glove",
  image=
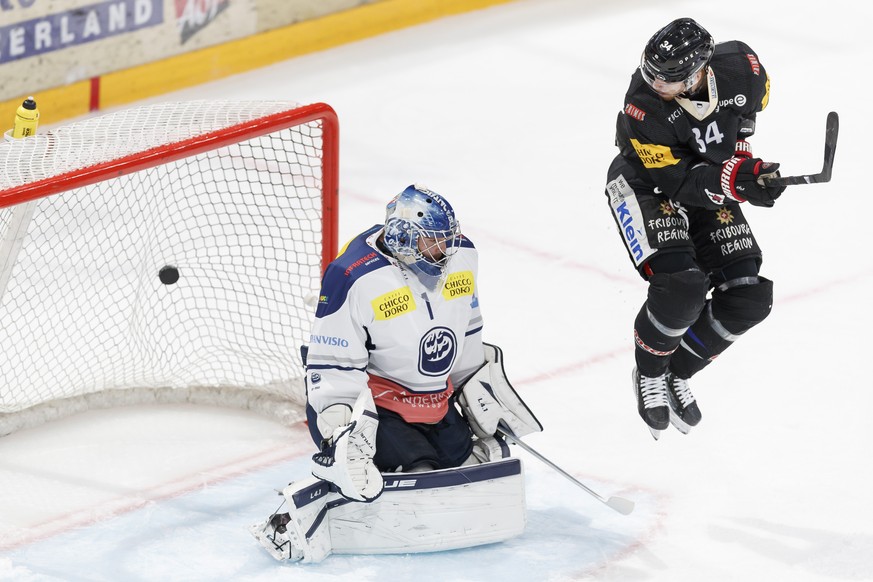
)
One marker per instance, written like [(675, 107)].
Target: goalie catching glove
[(346, 457), (489, 402)]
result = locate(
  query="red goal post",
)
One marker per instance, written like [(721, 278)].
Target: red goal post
[(164, 253)]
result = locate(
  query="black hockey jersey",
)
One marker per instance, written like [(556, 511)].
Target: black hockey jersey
[(676, 148)]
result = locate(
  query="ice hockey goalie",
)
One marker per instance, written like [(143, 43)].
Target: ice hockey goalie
[(480, 502)]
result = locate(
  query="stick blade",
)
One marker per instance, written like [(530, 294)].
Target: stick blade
[(832, 129), (621, 505)]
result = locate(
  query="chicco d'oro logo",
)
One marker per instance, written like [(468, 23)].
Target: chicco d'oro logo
[(393, 304), (458, 285), (437, 352), (653, 155)]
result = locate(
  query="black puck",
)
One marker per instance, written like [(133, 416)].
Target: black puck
[(168, 275)]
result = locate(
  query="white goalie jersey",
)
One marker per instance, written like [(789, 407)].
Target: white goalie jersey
[(378, 327)]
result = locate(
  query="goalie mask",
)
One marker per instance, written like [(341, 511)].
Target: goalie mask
[(421, 231)]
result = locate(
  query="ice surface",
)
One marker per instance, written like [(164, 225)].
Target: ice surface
[(509, 112)]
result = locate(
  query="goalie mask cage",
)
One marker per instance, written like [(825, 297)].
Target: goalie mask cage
[(164, 253)]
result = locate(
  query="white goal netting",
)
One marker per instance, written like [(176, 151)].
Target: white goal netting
[(162, 253)]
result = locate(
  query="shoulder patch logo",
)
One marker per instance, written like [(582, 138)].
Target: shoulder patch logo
[(635, 112), (458, 285), (753, 61), (362, 261), (393, 304), (653, 155)]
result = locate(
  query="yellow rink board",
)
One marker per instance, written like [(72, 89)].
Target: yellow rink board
[(216, 62)]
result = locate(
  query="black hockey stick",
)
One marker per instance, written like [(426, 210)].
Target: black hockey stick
[(832, 128), (620, 504)]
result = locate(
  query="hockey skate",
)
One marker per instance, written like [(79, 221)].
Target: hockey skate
[(273, 534), (684, 412), (651, 394)]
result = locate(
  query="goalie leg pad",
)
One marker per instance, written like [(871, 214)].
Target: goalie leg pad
[(434, 511), (419, 512), (489, 401)]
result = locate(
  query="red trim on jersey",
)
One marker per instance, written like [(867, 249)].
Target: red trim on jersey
[(424, 408), (650, 349)]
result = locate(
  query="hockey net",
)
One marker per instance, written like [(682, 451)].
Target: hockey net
[(164, 253)]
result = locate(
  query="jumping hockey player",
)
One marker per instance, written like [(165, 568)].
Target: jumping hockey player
[(397, 334), (675, 189)]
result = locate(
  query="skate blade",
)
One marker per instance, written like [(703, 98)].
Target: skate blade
[(680, 425)]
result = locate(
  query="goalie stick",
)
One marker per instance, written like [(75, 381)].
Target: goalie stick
[(619, 504), (832, 128)]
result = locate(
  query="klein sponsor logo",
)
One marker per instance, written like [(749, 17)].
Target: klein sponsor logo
[(329, 340), (75, 26), (626, 219), (192, 16), (616, 189), (393, 304)]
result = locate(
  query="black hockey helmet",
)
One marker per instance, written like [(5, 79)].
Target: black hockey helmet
[(676, 52)]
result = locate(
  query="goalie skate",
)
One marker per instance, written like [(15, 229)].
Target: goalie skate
[(273, 535)]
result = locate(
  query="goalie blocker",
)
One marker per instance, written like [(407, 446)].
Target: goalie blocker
[(488, 401)]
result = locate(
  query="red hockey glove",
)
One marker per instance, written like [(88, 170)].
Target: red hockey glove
[(743, 179)]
